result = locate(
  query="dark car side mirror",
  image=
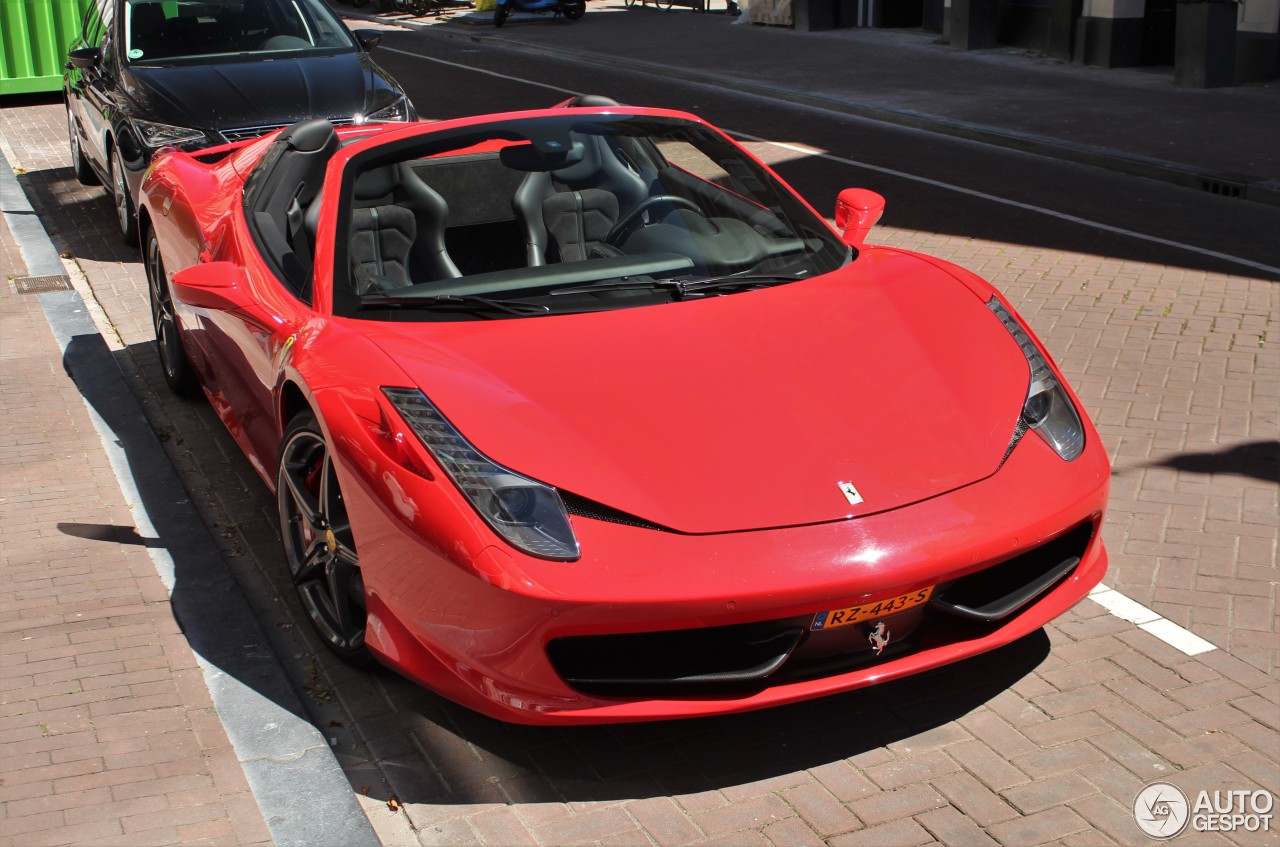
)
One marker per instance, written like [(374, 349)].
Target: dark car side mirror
[(857, 210), (222, 286), (84, 58), (368, 38)]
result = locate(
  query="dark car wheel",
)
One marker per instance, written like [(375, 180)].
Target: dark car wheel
[(318, 543), (574, 10), (173, 359), (126, 215), (84, 171), (500, 14)]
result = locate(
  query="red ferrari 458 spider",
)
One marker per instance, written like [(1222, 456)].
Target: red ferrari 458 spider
[(583, 415)]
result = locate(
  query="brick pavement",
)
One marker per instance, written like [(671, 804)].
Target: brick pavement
[(1044, 742), (108, 732)]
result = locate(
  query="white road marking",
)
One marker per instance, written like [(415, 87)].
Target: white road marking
[(1110, 599), (1166, 630), (1062, 216)]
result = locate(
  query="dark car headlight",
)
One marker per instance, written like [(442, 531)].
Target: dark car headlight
[(399, 109), (156, 135), (1047, 411), (528, 514)]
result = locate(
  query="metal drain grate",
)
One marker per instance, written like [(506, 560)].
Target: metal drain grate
[(38, 284)]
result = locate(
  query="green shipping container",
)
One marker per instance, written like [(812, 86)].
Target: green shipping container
[(34, 36)]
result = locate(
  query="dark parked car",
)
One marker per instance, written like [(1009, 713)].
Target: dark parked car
[(150, 74)]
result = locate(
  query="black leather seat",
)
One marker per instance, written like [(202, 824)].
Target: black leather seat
[(397, 231), (565, 213)]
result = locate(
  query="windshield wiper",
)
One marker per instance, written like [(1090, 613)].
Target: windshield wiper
[(732, 282), (683, 287), (455, 302)]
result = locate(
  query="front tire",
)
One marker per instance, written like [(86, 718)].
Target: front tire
[(574, 9), (84, 172), (500, 14), (318, 543), (126, 215)]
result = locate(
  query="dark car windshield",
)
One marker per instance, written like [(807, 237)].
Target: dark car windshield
[(174, 31), (561, 214)]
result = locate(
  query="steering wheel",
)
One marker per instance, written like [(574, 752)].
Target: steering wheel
[(629, 219)]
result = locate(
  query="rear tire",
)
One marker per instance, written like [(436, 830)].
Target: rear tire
[(500, 13), (178, 373), (574, 9)]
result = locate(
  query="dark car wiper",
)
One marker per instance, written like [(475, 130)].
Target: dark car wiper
[(685, 286), (456, 302), (622, 284), (730, 282)]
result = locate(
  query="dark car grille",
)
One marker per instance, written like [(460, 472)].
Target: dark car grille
[(739, 659), (247, 132)]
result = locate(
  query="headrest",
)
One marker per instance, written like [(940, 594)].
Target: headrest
[(593, 100), (377, 183), (310, 136)]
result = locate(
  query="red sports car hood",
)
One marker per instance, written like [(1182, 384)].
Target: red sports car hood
[(744, 411)]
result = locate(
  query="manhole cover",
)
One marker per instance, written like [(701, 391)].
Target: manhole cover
[(37, 284)]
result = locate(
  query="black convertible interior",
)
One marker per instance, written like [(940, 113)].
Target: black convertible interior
[(532, 207)]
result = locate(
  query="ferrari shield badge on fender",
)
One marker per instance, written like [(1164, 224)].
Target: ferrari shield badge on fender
[(850, 493), (879, 637)]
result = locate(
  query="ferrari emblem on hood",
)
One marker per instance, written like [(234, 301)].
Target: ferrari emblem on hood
[(850, 493)]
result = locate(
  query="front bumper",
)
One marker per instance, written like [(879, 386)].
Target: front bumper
[(455, 609)]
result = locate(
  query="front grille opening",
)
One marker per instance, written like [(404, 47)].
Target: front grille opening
[(739, 657), (1002, 590)]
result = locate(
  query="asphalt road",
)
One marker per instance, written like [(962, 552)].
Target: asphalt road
[(934, 183)]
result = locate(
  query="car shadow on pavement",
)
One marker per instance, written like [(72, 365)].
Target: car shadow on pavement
[(473, 759), (207, 602), (1256, 459)]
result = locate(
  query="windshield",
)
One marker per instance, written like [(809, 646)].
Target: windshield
[(552, 215), (176, 31)]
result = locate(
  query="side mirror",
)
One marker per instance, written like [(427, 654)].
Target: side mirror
[(368, 38), (857, 210), (221, 286), (84, 58)]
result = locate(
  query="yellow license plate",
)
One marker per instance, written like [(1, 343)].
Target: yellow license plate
[(870, 611)]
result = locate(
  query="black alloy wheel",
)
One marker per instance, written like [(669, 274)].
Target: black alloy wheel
[(178, 373), (84, 171), (318, 543), (126, 215)]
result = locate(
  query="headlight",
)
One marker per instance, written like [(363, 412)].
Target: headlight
[(1048, 410), (397, 110), (528, 514), (156, 135)]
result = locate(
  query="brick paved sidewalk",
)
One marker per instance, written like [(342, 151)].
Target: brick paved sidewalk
[(1044, 742), (108, 732)]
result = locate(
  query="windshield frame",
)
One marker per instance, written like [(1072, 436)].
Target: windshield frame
[(830, 252)]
